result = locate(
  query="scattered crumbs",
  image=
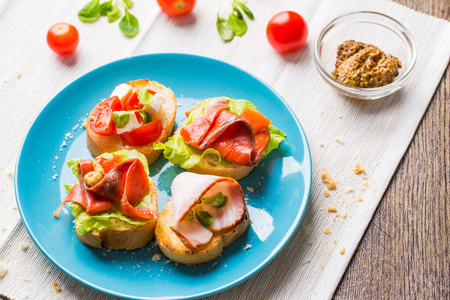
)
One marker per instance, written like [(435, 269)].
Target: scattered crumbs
[(56, 157), (259, 183), (19, 75), (306, 230), (248, 246), (225, 266), (321, 144), (334, 218), (11, 173), (3, 269), (246, 199), (342, 251), (358, 169), (2, 228), (366, 183), (344, 215), (338, 140), (84, 124), (214, 264), (321, 266), (24, 246), (326, 193), (326, 178), (168, 261), (176, 264), (14, 207), (334, 241), (337, 214), (55, 176), (68, 136), (56, 286), (26, 279), (250, 189), (306, 261), (156, 257), (155, 243), (327, 231), (340, 117), (359, 199), (332, 209), (349, 190)]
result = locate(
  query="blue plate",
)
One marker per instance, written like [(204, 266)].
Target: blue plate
[(277, 190)]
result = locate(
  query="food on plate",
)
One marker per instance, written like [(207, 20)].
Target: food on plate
[(230, 19), (136, 115), (113, 200), (63, 38), (222, 136), (287, 31), (176, 8), (205, 214), (364, 65)]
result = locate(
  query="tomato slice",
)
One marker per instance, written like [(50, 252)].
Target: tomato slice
[(101, 119), (143, 135), (132, 102)]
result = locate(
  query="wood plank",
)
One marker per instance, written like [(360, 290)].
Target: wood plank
[(405, 251)]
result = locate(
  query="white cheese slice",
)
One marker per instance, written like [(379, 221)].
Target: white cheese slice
[(132, 124), (158, 100), (122, 91)]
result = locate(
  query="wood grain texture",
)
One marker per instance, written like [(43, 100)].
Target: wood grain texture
[(405, 252)]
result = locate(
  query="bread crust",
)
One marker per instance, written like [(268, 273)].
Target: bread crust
[(122, 235), (172, 247), (209, 164), (99, 144)]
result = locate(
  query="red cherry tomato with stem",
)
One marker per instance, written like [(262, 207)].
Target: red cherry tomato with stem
[(287, 31), (143, 135), (176, 8), (100, 120), (63, 38)]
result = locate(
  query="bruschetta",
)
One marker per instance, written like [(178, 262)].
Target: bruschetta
[(136, 115), (205, 214), (222, 136), (113, 200)]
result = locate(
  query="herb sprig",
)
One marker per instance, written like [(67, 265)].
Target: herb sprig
[(93, 10), (204, 217), (230, 19)]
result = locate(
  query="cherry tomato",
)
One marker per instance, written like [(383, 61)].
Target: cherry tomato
[(287, 31), (131, 103), (101, 119), (143, 135), (175, 8), (62, 38)]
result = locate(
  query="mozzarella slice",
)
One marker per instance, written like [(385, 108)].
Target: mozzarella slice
[(158, 101), (122, 91)]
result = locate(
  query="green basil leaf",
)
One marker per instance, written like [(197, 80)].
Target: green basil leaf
[(114, 14), (121, 118), (204, 217), (189, 216), (145, 116), (129, 25), (128, 3), (222, 27), (245, 9), (105, 7), (144, 96), (237, 25), (90, 12), (217, 200)]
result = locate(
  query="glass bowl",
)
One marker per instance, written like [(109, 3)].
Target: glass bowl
[(367, 27)]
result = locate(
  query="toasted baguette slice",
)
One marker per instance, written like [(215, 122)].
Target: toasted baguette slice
[(210, 163), (99, 144), (123, 235), (174, 249)]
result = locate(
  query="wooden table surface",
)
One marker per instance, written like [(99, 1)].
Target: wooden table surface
[(405, 252)]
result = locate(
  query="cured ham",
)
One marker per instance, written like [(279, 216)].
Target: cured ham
[(239, 139), (187, 191), (125, 181)]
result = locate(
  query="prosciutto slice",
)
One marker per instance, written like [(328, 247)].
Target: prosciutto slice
[(187, 189), (233, 136), (126, 181)]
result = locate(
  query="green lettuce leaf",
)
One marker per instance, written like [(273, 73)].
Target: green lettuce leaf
[(177, 151)]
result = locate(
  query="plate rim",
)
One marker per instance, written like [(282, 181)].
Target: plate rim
[(276, 250)]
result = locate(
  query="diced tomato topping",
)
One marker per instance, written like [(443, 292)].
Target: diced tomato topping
[(143, 135), (100, 120), (131, 103)]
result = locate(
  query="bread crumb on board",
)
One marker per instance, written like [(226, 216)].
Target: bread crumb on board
[(328, 180), (56, 286), (327, 231), (19, 75), (344, 215), (24, 246), (342, 251), (332, 209), (357, 169), (326, 193), (359, 199), (3, 269), (339, 141)]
